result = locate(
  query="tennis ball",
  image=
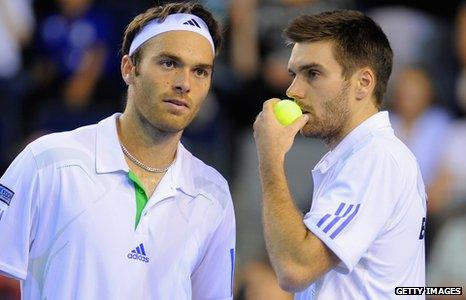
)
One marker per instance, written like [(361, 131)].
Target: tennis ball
[(286, 111)]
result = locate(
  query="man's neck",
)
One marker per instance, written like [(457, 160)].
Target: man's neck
[(149, 145), (357, 118)]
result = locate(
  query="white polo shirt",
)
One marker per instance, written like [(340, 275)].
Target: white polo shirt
[(67, 226), (369, 208)]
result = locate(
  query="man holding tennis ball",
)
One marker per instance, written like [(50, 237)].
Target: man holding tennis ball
[(364, 234)]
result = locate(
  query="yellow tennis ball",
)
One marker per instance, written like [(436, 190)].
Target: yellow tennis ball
[(287, 111)]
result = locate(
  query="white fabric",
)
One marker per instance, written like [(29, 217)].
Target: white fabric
[(69, 230), (368, 208), (172, 22)]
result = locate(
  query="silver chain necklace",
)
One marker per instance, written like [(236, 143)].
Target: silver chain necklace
[(142, 165)]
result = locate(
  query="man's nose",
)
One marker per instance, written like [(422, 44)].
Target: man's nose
[(182, 82), (295, 90)]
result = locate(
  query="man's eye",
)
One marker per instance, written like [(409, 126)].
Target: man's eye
[(169, 64), (313, 74), (201, 73)]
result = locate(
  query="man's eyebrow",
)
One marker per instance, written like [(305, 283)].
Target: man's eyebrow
[(179, 60), (168, 55), (310, 66), (205, 66), (307, 67)]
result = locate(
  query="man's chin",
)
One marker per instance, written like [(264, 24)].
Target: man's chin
[(309, 132), (171, 128), (168, 126)]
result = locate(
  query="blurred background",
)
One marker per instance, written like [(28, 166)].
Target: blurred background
[(59, 69)]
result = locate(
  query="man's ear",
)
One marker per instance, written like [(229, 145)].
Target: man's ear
[(127, 68), (365, 83)]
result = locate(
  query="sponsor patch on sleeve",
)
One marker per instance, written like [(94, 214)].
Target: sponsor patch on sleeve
[(6, 194)]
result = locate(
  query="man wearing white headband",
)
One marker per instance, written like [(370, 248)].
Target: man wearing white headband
[(120, 209)]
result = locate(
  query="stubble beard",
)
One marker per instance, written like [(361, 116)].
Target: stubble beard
[(329, 126)]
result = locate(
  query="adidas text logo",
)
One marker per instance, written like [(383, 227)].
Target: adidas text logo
[(192, 22), (139, 253)]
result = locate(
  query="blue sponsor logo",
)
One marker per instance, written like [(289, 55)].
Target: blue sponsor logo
[(6, 194), (232, 257), (423, 229), (336, 222), (139, 253)]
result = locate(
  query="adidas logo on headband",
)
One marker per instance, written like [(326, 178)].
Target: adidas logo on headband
[(172, 22), (192, 22)]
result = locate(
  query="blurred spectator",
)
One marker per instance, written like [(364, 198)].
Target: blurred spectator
[(447, 265), (429, 40), (403, 24), (448, 188), (460, 43), (74, 61), (16, 27), (423, 127), (417, 122)]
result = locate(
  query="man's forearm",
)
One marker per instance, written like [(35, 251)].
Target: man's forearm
[(284, 229)]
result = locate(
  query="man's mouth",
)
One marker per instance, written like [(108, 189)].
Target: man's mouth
[(177, 102), (303, 109)]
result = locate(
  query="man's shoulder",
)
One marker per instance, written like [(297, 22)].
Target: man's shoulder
[(206, 179), (62, 146), (385, 146)]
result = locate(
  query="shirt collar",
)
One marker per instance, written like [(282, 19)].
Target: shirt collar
[(374, 123), (182, 176), (110, 158)]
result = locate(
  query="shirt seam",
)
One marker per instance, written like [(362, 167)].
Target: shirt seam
[(39, 201)]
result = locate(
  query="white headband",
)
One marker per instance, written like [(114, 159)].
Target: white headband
[(187, 22)]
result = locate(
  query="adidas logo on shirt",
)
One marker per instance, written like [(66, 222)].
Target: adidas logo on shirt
[(139, 253), (192, 22)]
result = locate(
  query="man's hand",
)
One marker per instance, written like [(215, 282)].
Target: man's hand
[(274, 140)]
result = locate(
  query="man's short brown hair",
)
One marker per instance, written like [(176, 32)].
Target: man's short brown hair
[(161, 12), (358, 42)]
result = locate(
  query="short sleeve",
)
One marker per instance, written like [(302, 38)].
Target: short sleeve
[(18, 213), (213, 278), (356, 205)]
